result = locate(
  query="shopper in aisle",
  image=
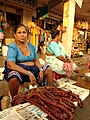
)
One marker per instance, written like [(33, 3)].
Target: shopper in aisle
[(22, 63), (57, 57), (87, 44)]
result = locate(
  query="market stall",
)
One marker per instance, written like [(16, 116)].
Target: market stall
[(80, 33), (47, 102)]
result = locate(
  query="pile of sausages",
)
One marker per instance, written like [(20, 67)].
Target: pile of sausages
[(56, 102)]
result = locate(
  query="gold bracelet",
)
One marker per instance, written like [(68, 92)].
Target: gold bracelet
[(28, 73), (41, 69)]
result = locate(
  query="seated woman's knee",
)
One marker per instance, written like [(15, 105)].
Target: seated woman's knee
[(49, 69), (14, 81)]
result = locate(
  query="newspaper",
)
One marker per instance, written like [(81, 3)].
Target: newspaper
[(65, 80), (82, 92), (9, 114), (24, 111)]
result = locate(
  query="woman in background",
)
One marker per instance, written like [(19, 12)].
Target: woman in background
[(87, 44), (57, 57)]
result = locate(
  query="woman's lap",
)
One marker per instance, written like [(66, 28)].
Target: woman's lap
[(57, 65), (9, 74)]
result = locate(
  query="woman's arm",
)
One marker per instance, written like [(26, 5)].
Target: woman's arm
[(37, 63), (62, 58), (11, 65), (57, 51)]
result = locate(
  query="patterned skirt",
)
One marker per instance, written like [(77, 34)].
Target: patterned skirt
[(9, 74)]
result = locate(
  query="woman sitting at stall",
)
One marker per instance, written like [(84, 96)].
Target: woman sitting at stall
[(22, 63), (57, 58)]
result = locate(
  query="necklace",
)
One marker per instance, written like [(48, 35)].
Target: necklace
[(24, 49)]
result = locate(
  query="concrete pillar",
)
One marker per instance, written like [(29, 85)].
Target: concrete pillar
[(68, 21)]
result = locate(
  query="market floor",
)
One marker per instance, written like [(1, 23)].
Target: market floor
[(80, 114)]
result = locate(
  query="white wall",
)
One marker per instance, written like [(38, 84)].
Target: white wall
[(27, 16)]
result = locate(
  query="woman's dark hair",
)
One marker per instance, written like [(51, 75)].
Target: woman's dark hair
[(54, 33), (18, 26)]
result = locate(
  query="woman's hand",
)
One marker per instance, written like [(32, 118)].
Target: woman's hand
[(40, 76), (32, 79), (68, 59)]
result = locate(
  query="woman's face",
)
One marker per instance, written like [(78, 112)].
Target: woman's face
[(58, 37), (21, 34)]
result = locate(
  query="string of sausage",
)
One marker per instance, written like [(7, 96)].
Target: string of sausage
[(57, 103)]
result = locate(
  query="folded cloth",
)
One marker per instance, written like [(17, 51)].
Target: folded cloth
[(68, 68), (58, 76)]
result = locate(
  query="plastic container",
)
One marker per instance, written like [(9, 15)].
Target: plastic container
[(4, 50)]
